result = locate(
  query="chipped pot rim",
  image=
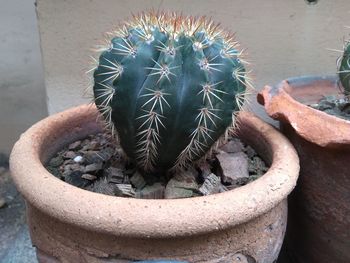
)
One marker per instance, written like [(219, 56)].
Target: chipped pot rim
[(284, 102), (139, 217)]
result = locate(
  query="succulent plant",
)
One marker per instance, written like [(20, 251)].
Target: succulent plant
[(344, 68), (170, 86)]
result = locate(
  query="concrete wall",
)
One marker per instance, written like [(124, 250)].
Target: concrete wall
[(22, 92), (284, 38)]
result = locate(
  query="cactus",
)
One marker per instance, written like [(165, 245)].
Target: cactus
[(170, 86), (344, 68)]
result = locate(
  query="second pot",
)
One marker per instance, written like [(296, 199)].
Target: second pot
[(319, 218)]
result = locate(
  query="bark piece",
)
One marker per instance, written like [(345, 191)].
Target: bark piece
[(155, 191), (69, 155), (124, 190), (257, 166), (56, 162), (114, 175), (103, 187), (94, 167), (233, 168), (75, 179), (137, 180), (89, 177), (74, 145), (211, 185), (178, 189), (232, 146)]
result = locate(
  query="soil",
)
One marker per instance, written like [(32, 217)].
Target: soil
[(98, 164), (339, 107)]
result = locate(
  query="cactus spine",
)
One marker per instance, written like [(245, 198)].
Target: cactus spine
[(344, 68), (170, 86)]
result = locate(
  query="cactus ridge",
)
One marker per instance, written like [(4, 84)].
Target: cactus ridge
[(169, 86), (344, 68)]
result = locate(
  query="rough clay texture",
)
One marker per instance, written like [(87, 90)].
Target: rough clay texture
[(319, 221), (69, 224), (260, 239)]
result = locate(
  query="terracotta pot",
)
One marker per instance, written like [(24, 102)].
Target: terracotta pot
[(68, 224), (319, 218)]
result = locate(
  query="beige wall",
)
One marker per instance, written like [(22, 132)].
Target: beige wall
[(22, 91), (284, 37)]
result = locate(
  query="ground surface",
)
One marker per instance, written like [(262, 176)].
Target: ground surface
[(15, 245)]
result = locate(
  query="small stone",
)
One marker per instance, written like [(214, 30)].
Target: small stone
[(75, 178), (2, 202), (114, 175), (89, 177), (233, 168), (78, 159), (74, 145), (69, 155), (56, 161), (155, 191), (211, 185), (94, 167), (124, 190), (233, 146), (137, 180)]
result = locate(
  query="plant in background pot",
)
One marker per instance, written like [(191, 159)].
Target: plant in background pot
[(314, 114), (169, 87)]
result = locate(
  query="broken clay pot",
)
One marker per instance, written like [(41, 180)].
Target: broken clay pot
[(319, 217), (68, 224)]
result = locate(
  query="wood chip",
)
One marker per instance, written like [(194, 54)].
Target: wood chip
[(232, 146), (114, 175), (211, 185), (94, 167), (89, 177), (233, 167), (155, 191), (124, 190), (137, 180), (74, 145)]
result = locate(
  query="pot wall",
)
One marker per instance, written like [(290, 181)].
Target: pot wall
[(319, 216), (68, 224), (258, 240)]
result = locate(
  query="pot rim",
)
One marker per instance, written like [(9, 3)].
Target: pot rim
[(311, 124), (139, 217)]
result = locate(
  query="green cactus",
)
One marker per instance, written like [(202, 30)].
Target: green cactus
[(170, 86), (344, 68)]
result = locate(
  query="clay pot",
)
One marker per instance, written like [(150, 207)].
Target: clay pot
[(319, 217), (68, 224)]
